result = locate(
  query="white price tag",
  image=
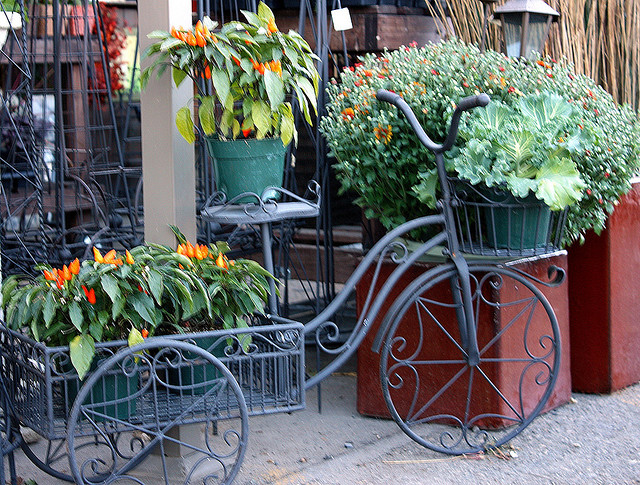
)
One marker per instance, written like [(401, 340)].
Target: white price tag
[(341, 19)]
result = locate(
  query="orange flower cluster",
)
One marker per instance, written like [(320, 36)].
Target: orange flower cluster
[(196, 37), (348, 113), (273, 66), (199, 251), (64, 274), (383, 133), (111, 257)]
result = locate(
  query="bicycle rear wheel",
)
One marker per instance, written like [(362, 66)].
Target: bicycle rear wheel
[(434, 394)]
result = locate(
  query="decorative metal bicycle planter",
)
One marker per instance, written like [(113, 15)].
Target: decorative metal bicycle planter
[(466, 375)]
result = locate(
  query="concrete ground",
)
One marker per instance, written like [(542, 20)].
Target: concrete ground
[(595, 439)]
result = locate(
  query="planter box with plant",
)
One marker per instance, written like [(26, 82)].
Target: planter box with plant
[(150, 290), (549, 136), (245, 73), (381, 161)]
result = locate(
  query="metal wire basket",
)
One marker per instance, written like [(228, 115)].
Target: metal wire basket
[(266, 361), (493, 222)]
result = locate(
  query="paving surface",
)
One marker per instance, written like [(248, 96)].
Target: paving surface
[(595, 439)]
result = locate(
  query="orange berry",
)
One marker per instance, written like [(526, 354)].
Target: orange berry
[(128, 257), (144, 333), (92, 296), (49, 276), (66, 273), (74, 266)]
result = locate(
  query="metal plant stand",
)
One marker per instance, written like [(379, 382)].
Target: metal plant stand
[(436, 386)]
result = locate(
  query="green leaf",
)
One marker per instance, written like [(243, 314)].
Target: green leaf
[(184, 122), (264, 12), (221, 84), (206, 112), (545, 108), (287, 125), (144, 306), (75, 313), (156, 285), (559, 184), (261, 115), (135, 337), (110, 285), (95, 330), (82, 349), (309, 91), (275, 89), (49, 309), (178, 76)]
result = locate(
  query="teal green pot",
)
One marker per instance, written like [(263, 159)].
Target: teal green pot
[(194, 376), (519, 223), (247, 166), (109, 396)]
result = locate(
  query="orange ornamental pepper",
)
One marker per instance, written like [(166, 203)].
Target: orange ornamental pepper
[(86, 292), (236, 60), (199, 27), (110, 256), (246, 132), (118, 262), (66, 273), (220, 262), (60, 279), (191, 252), (207, 72), (49, 276), (92, 296), (191, 39), (97, 256), (204, 250), (200, 40), (271, 27), (144, 333), (128, 257), (74, 266), (198, 253), (261, 67), (182, 249)]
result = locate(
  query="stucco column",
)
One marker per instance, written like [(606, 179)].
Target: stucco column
[(168, 161)]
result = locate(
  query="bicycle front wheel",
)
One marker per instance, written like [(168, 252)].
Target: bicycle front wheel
[(435, 395)]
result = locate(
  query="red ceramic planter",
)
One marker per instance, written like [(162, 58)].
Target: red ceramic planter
[(604, 296), (370, 400)]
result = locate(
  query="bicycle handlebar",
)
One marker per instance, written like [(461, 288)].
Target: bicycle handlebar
[(465, 104)]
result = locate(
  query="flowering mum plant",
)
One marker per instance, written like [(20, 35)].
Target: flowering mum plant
[(244, 73), (381, 160), (131, 296)]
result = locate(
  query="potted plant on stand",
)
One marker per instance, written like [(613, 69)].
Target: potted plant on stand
[(245, 73), (545, 137)]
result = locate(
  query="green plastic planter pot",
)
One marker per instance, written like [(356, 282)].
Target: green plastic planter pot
[(247, 166), (519, 223), (109, 396), (194, 377)]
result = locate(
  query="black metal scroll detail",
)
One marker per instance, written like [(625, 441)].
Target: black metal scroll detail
[(432, 392)]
